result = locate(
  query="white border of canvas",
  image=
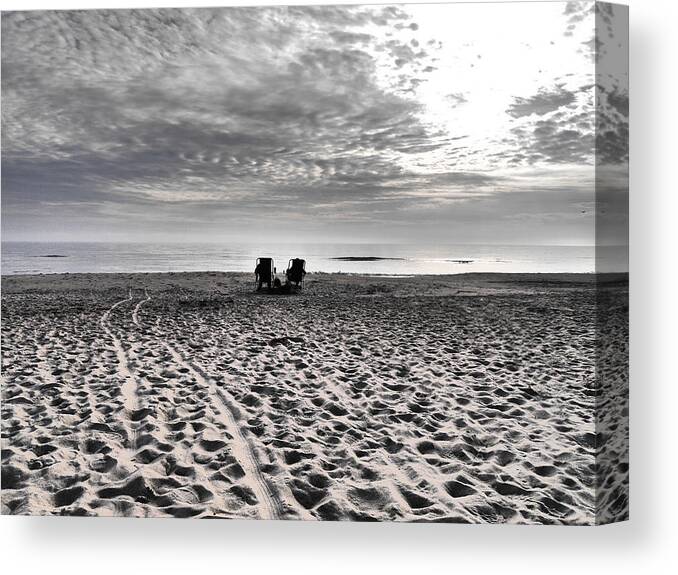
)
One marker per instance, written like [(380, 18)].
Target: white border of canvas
[(644, 544)]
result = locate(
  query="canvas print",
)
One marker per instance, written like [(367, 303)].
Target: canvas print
[(336, 263)]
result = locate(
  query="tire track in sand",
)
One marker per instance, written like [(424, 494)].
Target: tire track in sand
[(137, 309), (270, 503), (129, 385)]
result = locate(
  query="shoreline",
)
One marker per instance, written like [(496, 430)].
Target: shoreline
[(517, 275), (228, 284)]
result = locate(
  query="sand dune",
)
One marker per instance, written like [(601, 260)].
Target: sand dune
[(460, 398)]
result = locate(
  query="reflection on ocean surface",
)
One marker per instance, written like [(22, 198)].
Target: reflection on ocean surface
[(392, 259)]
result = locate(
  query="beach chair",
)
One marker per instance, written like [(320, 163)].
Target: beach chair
[(264, 272), (296, 270)]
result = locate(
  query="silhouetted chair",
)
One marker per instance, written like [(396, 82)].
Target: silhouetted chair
[(296, 270), (264, 273)]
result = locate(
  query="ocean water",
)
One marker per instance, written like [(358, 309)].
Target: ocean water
[(401, 259)]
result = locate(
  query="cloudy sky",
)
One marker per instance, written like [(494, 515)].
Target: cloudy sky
[(422, 123)]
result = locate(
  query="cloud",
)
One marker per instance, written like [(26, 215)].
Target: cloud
[(217, 98), (127, 118), (575, 13), (456, 99), (541, 103), (612, 126), (351, 37)]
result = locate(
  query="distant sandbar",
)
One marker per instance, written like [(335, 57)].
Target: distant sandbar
[(364, 259)]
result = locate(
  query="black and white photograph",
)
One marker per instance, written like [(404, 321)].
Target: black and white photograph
[(327, 263)]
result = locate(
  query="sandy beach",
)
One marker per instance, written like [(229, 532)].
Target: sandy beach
[(468, 398)]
